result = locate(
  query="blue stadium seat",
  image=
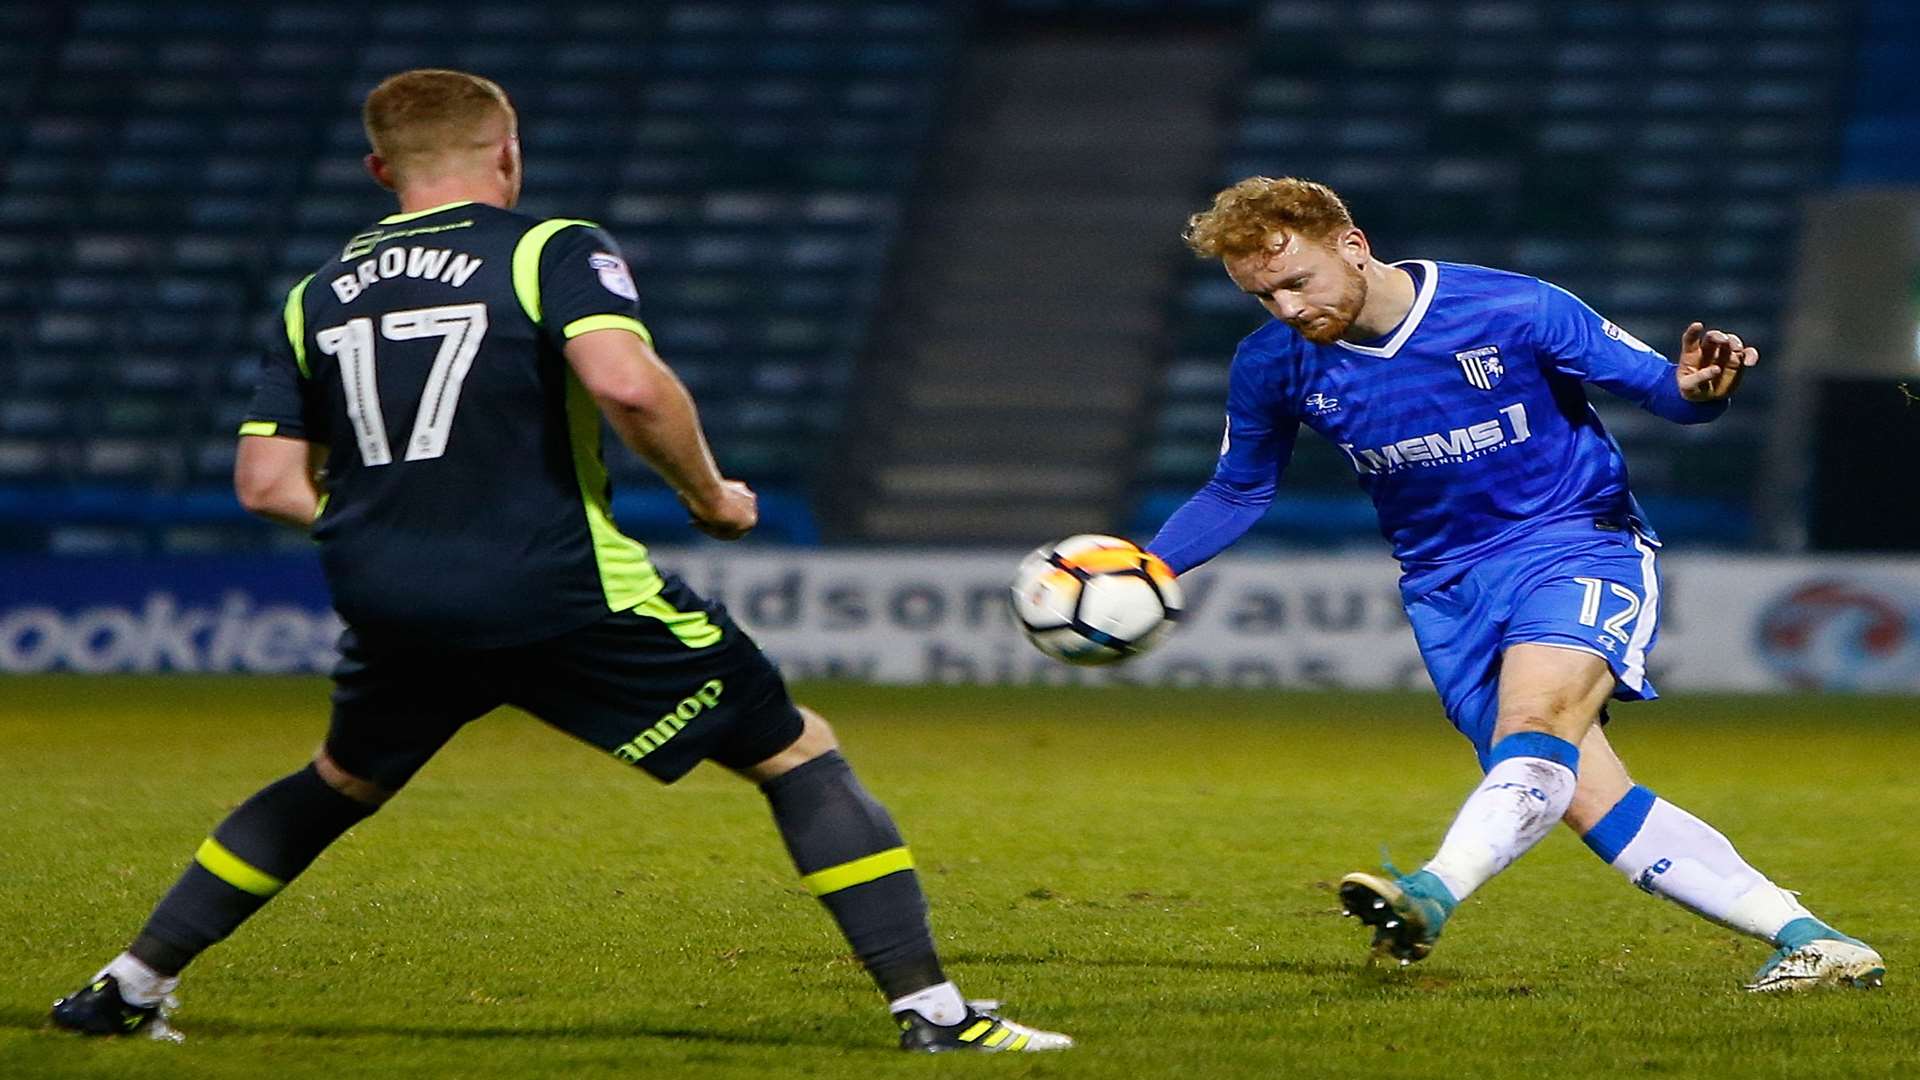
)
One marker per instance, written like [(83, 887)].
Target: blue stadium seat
[(211, 154), (1589, 171)]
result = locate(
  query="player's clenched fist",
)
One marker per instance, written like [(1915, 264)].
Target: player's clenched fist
[(729, 514), (1711, 363)]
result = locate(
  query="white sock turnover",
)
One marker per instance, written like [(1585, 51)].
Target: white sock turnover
[(940, 1004), (139, 984)]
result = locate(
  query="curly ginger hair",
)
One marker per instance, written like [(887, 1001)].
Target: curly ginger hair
[(1244, 218)]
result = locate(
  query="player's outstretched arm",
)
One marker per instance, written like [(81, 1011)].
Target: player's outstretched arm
[(1574, 340), (654, 415), (1711, 363), (1209, 523), (274, 477)]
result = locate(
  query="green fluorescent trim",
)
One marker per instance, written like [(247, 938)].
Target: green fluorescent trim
[(693, 628), (295, 317), (234, 870), (858, 872), (259, 427), (627, 576), (526, 262), (395, 219), (607, 322)]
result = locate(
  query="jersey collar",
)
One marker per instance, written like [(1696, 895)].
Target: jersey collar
[(395, 219), (1408, 325)]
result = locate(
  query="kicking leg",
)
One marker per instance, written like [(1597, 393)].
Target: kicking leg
[(250, 857), (850, 855), (1548, 698), (1668, 852)]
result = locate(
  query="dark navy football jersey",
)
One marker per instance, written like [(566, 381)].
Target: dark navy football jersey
[(1468, 425), (466, 500)]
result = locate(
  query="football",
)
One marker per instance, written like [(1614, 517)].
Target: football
[(1093, 599)]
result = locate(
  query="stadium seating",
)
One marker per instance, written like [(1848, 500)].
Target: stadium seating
[(171, 169), (1648, 157)]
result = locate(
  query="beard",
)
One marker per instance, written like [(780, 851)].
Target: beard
[(1328, 327)]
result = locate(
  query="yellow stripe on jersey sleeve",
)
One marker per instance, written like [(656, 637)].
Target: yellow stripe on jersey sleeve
[(526, 261), (607, 322)]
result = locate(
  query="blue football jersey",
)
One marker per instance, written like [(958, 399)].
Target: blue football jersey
[(1467, 425)]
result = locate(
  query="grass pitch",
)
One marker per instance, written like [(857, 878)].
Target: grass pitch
[(1150, 871)]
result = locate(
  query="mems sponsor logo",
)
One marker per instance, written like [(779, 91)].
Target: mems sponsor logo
[(162, 634), (1445, 447)]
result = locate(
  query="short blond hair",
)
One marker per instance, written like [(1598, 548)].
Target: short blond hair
[(1244, 217), (420, 116)]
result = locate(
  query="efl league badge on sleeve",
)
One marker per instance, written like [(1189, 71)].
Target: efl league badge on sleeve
[(1624, 338), (614, 275), (1482, 366)]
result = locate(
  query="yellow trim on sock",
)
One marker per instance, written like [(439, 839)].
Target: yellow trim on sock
[(607, 322), (259, 427), (859, 871), (234, 870), (975, 1031)]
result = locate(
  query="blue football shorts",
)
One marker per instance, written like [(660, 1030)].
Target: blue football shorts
[(1597, 593)]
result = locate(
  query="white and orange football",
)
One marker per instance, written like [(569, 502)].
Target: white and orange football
[(1094, 599)]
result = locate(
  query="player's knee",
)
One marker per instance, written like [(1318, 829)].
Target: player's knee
[(1560, 723), (816, 736), (815, 739), (344, 782)]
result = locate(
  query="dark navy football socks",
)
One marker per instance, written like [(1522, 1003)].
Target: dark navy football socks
[(851, 856), (261, 846)]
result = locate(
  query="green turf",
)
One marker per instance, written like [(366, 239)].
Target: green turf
[(1151, 871)]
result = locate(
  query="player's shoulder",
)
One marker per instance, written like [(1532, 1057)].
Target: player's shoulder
[(1487, 291), (1492, 281), (565, 227), (1271, 355), (1270, 350), (1272, 343)]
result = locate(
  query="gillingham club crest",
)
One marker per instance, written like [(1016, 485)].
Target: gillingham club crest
[(1482, 366)]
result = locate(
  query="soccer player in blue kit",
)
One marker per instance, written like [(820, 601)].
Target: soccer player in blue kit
[(1528, 570)]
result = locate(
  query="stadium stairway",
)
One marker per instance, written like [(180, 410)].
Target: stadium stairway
[(1012, 367)]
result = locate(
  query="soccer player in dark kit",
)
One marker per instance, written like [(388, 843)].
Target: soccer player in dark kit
[(447, 375)]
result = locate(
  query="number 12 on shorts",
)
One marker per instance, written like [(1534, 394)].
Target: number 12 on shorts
[(1590, 606), (460, 328)]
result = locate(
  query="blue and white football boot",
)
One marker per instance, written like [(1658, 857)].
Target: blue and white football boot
[(1813, 954), (1407, 912)]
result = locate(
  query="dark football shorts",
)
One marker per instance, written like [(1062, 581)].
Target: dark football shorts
[(670, 684)]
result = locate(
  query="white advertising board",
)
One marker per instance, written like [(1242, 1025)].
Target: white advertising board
[(1726, 623)]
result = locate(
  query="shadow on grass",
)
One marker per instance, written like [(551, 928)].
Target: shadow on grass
[(1275, 966), (1355, 978), (211, 1026)]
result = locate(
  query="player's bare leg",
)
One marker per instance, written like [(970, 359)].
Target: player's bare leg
[(1548, 699), (1668, 852), (262, 845), (850, 856)]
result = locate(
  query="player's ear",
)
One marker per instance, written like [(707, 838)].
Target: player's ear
[(1355, 249), (380, 170)]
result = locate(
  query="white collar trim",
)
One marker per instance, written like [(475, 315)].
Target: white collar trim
[(1408, 325)]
